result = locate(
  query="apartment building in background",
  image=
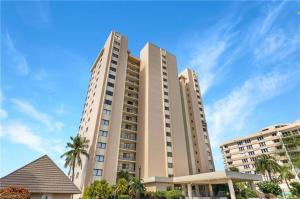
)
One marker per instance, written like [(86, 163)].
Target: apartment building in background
[(139, 113), (280, 141)]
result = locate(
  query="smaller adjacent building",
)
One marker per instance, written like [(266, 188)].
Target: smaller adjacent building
[(43, 179), (280, 141)]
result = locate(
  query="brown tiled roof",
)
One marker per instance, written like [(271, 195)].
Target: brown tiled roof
[(40, 176)]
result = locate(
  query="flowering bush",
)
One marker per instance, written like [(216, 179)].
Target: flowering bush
[(14, 192)]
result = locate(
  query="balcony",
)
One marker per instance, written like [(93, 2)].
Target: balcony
[(130, 169), (130, 147), (128, 158), (127, 136)]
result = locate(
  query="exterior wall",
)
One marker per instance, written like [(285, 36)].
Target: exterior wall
[(243, 152), (158, 186), (162, 145), (54, 196), (198, 145), (93, 113)]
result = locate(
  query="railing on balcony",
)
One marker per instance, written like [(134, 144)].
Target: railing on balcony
[(127, 146)]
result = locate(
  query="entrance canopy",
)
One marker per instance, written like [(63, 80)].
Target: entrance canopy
[(218, 177)]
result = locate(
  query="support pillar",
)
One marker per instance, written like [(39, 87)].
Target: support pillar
[(210, 190), (190, 191), (252, 185), (231, 189)]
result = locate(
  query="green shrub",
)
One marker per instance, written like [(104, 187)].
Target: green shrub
[(295, 188), (269, 188), (123, 197), (98, 189), (173, 194), (249, 193), (158, 194)]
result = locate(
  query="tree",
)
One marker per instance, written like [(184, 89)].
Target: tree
[(14, 192), (295, 188), (97, 190), (123, 174), (136, 186), (235, 169), (121, 187), (269, 188), (285, 174), (77, 146), (267, 163)]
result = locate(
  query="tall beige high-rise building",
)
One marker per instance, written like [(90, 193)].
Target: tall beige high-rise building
[(139, 113)]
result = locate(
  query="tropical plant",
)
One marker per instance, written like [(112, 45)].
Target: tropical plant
[(285, 174), (121, 187), (266, 163), (14, 192), (158, 194), (235, 169), (295, 189), (98, 189), (77, 146), (123, 197), (136, 186), (269, 188), (173, 194), (123, 174), (243, 192)]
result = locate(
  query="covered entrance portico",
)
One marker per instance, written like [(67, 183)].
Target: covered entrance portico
[(201, 185)]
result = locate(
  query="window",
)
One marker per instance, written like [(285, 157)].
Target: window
[(169, 154), (166, 100), (110, 84), (167, 116), (240, 142), (163, 61), (103, 133), (116, 49), (260, 138), (241, 148), (264, 150), (108, 102), (117, 43), (97, 172), (251, 152), (166, 108), (164, 73), (106, 112), (170, 165), (170, 175), (115, 55), (168, 134), (101, 145), (110, 93), (164, 67), (165, 86), (262, 144), (246, 166), (244, 160), (113, 69), (104, 122), (164, 79), (114, 62), (249, 147), (100, 158), (111, 76), (169, 144), (168, 125), (165, 93)]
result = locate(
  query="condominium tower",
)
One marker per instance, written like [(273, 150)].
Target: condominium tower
[(280, 141), (141, 117)]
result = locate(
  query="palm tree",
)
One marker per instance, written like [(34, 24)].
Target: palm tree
[(123, 174), (267, 163), (285, 174), (77, 146), (136, 186), (121, 187)]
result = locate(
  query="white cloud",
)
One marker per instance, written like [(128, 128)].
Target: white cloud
[(19, 61), (31, 111), (21, 134), (229, 113)]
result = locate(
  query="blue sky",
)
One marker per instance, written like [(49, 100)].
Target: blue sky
[(247, 55)]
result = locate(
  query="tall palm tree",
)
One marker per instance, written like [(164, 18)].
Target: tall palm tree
[(136, 186), (266, 163), (77, 146), (285, 174)]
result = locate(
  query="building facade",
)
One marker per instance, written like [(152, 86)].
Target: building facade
[(280, 141), (141, 117)]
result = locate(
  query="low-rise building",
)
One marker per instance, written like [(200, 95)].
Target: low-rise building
[(43, 179)]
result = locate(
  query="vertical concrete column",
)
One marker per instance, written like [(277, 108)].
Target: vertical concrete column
[(210, 190), (197, 190), (190, 191), (231, 189)]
